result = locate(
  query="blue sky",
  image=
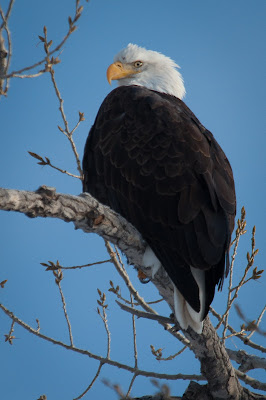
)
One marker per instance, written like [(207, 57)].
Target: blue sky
[(220, 48)]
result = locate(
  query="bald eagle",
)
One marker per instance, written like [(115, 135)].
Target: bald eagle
[(150, 159)]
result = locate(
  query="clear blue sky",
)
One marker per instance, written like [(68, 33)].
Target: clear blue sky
[(220, 47)]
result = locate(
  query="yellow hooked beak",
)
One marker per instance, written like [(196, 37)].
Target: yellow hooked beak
[(117, 70)]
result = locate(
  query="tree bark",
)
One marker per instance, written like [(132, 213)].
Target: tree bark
[(89, 215)]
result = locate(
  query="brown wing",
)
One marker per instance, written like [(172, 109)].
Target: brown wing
[(149, 158)]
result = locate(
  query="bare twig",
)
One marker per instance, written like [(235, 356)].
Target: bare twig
[(122, 272), (103, 316), (49, 67), (134, 335), (130, 387), (81, 118), (51, 266), (46, 161), (9, 337), (243, 338), (142, 314), (138, 298), (135, 347), (5, 63), (256, 274), (91, 383), (58, 278), (67, 132), (249, 325), (117, 292), (158, 353), (71, 29), (27, 76), (104, 319), (240, 231), (105, 360), (242, 332), (38, 325), (256, 325), (6, 17)]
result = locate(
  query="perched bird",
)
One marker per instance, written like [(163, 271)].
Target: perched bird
[(150, 159)]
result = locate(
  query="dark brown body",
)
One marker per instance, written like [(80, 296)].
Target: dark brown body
[(149, 158)]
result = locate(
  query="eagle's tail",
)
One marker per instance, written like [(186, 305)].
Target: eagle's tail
[(185, 314)]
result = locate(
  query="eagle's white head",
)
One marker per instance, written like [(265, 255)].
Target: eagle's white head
[(135, 65)]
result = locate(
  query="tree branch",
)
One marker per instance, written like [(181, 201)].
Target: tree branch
[(90, 216), (247, 361), (144, 314), (103, 360)]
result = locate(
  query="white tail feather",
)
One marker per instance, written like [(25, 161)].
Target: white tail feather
[(199, 277), (184, 313)]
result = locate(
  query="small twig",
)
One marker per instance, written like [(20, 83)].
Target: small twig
[(135, 347), (240, 231), (38, 325), (130, 386), (155, 301), (139, 299), (29, 75), (67, 132), (249, 325), (66, 316), (243, 338), (46, 161), (104, 319), (78, 123), (107, 332), (65, 171), (143, 314), (103, 316), (117, 364), (71, 29), (158, 354), (134, 335), (91, 383), (256, 325), (6, 64), (9, 337), (122, 272), (6, 17), (59, 276), (120, 297), (242, 332), (51, 266)]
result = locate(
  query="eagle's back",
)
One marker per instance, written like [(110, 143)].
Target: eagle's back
[(148, 157)]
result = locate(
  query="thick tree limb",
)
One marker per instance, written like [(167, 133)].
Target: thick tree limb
[(247, 361), (84, 211), (90, 216)]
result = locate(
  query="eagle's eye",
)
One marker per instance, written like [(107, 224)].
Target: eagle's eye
[(138, 64)]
